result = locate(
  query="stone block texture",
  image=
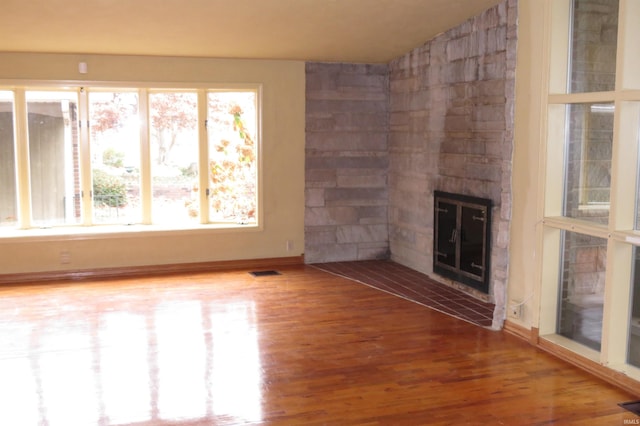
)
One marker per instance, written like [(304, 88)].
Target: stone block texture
[(347, 160)]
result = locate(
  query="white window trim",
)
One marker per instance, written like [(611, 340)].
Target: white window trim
[(93, 231), (620, 234)]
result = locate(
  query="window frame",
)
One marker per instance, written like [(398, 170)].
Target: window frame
[(86, 229), (621, 233)]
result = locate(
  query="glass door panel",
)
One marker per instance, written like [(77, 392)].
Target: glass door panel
[(446, 230), (472, 240)]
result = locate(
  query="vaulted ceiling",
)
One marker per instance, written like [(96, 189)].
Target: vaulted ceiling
[(368, 31)]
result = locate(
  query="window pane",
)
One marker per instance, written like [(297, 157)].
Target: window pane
[(582, 288), (232, 131), (53, 157), (633, 353), (8, 196), (115, 157), (174, 156), (588, 170), (594, 41)]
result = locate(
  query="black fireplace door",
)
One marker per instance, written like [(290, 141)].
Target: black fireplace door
[(472, 240), (447, 235), (461, 238)]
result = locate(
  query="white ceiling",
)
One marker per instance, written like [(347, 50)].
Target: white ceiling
[(369, 31)]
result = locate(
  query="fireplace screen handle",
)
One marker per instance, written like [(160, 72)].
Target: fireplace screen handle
[(454, 234), (475, 265)]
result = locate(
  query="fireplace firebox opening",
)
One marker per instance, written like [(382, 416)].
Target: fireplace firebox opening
[(461, 241)]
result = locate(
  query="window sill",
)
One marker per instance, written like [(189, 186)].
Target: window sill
[(574, 347), (118, 231)]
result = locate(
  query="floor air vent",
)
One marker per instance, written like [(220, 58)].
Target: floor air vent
[(264, 273), (633, 406)]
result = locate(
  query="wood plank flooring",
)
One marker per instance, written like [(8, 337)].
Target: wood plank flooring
[(302, 348)]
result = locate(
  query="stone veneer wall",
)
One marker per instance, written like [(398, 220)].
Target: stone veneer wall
[(346, 216), (451, 129), (380, 139)]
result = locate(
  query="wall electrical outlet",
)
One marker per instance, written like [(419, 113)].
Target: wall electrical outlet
[(65, 257), (515, 309), (289, 245)]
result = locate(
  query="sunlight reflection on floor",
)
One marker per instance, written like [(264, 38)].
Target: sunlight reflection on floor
[(186, 360)]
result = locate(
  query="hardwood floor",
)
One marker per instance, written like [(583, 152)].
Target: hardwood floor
[(304, 347)]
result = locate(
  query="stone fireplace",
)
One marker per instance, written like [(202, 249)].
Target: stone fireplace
[(382, 138)]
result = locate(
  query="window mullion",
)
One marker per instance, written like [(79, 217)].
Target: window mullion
[(628, 59), (203, 156), (145, 157), (85, 158), (22, 159), (616, 309), (624, 163)]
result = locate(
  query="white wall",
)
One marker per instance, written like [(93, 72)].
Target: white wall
[(526, 184), (283, 118)]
